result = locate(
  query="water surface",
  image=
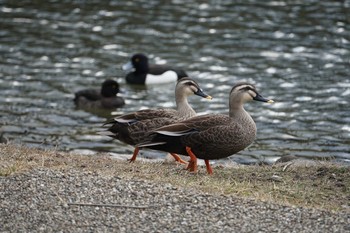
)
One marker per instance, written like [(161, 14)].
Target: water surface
[(296, 52)]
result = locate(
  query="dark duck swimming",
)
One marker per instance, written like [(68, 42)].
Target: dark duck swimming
[(145, 73), (105, 98)]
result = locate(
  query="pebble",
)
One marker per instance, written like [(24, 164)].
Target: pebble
[(42, 201)]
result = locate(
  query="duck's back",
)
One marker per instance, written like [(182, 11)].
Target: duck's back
[(161, 69), (132, 128), (91, 98), (89, 94), (88, 98)]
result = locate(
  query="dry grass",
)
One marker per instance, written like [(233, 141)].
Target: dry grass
[(323, 186)]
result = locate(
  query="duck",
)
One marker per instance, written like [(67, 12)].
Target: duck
[(145, 73), (131, 128), (105, 98), (210, 136)]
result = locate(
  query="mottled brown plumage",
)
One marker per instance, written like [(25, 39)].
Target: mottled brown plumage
[(132, 128), (212, 136)]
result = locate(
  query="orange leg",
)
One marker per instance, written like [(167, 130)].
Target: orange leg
[(192, 164), (134, 155), (209, 169), (178, 159)]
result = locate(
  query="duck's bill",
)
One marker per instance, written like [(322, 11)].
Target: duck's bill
[(258, 97), (202, 94), (127, 66)]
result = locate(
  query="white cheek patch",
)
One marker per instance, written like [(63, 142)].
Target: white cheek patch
[(166, 77), (252, 93)]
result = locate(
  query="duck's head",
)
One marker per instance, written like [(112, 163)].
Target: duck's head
[(186, 87), (109, 88), (139, 62), (244, 92)]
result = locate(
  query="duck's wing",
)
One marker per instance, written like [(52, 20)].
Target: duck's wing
[(89, 94), (170, 137), (209, 137), (160, 69), (194, 124), (133, 129), (142, 115)]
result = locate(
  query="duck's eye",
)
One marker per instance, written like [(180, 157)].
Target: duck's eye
[(137, 59)]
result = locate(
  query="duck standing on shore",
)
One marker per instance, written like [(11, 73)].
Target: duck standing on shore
[(145, 73), (105, 98), (211, 136), (132, 128)]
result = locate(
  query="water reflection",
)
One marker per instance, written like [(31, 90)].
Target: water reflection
[(297, 52)]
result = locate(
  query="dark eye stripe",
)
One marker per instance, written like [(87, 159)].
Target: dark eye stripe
[(190, 84), (243, 86), (247, 89)]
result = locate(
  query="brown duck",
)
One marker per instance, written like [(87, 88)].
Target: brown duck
[(212, 136), (132, 128)]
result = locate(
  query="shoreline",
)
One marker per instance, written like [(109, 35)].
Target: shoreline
[(50, 189)]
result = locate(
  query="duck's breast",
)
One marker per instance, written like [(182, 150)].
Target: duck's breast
[(136, 78)]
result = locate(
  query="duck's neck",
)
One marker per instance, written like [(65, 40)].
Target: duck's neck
[(239, 114), (183, 107)]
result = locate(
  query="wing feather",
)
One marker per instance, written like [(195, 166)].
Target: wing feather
[(194, 124)]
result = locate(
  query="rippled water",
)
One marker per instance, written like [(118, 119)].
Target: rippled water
[(296, 52)]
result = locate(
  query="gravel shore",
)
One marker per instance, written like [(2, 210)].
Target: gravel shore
[(46, 200)]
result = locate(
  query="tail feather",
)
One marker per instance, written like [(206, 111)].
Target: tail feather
[(148, 144), (110, 121)]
